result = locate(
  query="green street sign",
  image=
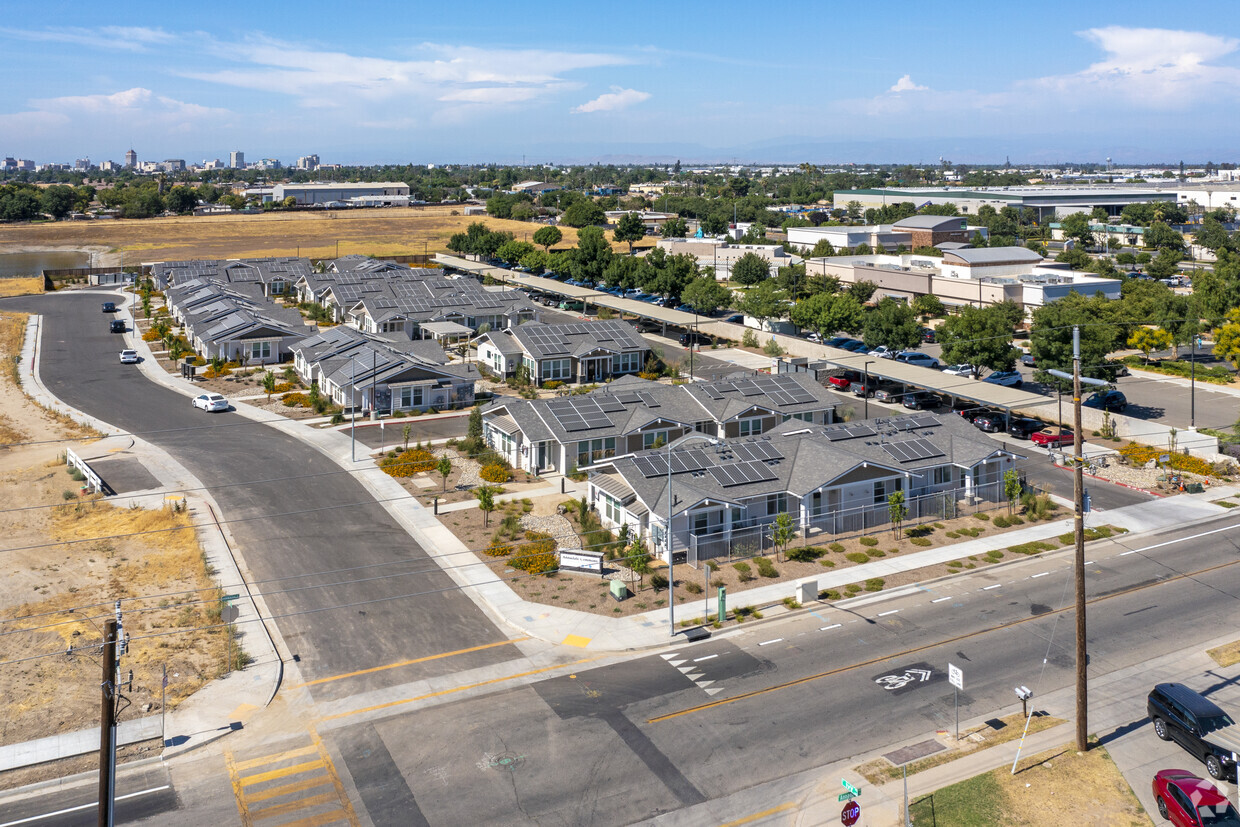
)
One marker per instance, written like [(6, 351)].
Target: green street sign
[(231, 597), (845, 797), (850, 787)]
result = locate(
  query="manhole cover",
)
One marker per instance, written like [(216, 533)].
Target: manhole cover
[(504, 761)]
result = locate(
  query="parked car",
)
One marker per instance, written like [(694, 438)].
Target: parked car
[(684, 308), (1197, 724), (1005, 378), (836, 341), (922, 401), (959, 370), (735, 318), (1113, 401), (117, 326), (843, 380), (1022, 427), (991, 421), (210, 402), (812, 336), (1026, 359), (888, 392), (1052, 437), (570, 305), (692, 338), (1188, 801), (863, 388), (548, 301), (916, 357), (632, 293), (1110, 370), (109, 307), (928, 336), (854, 346), (883, 352), (129, 357)]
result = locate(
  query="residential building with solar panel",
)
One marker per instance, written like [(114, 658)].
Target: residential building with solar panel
[(833, 480), (545, 436), (585, 352)]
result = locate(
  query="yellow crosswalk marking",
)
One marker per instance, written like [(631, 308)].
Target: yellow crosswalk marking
[(300, 752), (317, 781)]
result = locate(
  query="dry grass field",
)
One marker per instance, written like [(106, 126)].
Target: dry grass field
[(20, 286), (379, 232)]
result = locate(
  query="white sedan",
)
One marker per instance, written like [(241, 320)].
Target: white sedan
[(129, 357), (210, 402), (959, 370)]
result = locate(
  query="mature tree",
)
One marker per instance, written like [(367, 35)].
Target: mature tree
[(1161, 237), (1051, 336), (629, 229), (1165, 264), (928, 306), (57, 201), (535, 261), (181, 200), (1227, 338), (822, 249), (512, 252), (892, 323), (591, 255), (766, 301), (1098, 214), (829, 314), (713, 224), (1077, 258), (1149, 339), (583, 214), (751, 268), (705, 295), (981, 337), (1125, 259), (1076, 227), (547, 237), (674, 228), (1214, 237), (863, 290), (863, 249)]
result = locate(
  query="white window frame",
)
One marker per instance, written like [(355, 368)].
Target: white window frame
[(649, 438), (556, 370), (260, 350), (749, 426)]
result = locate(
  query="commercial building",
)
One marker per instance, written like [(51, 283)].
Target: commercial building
[(236, 159), (721, 256), (321, 194), (1047, 203), (131, 159)]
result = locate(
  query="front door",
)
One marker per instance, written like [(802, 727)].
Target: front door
[(542, 456)]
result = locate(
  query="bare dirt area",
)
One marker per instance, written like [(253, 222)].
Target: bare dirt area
[(320, 234), (69, 556)]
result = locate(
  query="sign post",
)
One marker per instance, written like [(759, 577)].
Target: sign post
[(955, 676)]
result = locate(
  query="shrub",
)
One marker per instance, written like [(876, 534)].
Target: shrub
[(970, 531), (750, 339), (68, 494), (836, 547), (868, 541), (877, 553), (552, 384), (712, 565), (408, 463), (828, 563), (995, 555), (282, 387), (982, 516), (852, 589), (920, 541), (808, 554), (1001, 522), (494, 472), (1035, 547), (693, 587), (537, 555), (658, 582), (742, 569), (857, 557), (1015, 520), (954, 535), (1138, 454), (828, 594), (791, 603), (875, 584), (498, 550), (765, 567), (295, 400)]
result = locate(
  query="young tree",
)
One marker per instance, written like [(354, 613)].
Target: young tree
[(751, 269), (629, 229), (892, 323), (486, 503), (269, 384), (1147, 339), (1011, 488), (897, 510), (444, 467), (547, 237), (981, 337), (405, 432), (783, 532), (637, 558)]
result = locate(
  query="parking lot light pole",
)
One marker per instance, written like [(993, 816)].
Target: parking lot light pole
[(671, 557), (865, 396)]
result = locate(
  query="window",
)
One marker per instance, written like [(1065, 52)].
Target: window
[(776, 503), (612, 509), (560, 369), (409, 398), (260, 350), (701, 523), (941, 475), (277, 288), (704, 427), (590, 451), (650, 438), (751, 426), (880, 492), (626, 363), (804, 417)]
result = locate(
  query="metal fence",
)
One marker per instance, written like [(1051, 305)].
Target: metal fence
[(755, 540)]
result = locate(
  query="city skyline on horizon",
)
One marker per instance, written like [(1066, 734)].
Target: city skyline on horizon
[(570, 86)]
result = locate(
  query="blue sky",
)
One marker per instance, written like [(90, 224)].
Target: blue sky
[(436, 82)]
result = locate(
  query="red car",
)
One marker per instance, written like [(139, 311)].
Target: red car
[(1052, 437), (1188, 801), (844, 380)]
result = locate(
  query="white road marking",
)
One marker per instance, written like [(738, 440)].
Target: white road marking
[(704, 657), (768, 642), (90, 806), (884, 614), (1089, 562), (988, 588), (1126, 553), (832, 626), (941, 599), (1043, 574)]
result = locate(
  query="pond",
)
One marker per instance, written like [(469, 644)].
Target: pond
[(31, 264)]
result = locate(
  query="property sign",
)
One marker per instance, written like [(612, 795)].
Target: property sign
[(580, 560), (955, 676)]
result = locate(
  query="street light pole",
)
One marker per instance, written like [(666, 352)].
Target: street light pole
[(865, 395), (1078, 494), (671, 556)]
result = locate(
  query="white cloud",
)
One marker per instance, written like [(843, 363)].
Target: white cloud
[(124, 38), (615, 100), (1158, 68), (122, 112), (905, 84)]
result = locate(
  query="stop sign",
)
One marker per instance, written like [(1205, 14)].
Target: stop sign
[(850, 813)]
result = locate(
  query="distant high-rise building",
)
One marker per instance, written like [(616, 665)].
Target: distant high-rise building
[(82, 164), (269, 163), (236, 159), (131, 159), (310, 162)]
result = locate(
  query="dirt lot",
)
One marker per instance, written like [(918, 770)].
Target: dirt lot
[(64, 550), (381, 232)]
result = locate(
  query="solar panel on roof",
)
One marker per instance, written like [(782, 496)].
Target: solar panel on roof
[(611, 404), (711, 391), (755, 451), (912, 450), (747, 387), (649, 466), (861, 429), (647, 399), (837, 434), (628, 397)]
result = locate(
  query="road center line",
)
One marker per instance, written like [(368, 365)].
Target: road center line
[(706, 657), (988, 588), (1126, 553), (941, 599), (1043, 574), (884, 614), (398, 664), (768, 642), (832, 626), (89, 806)]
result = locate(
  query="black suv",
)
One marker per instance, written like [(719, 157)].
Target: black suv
[(117, 326), (1197, 724), (109, 307), (692, 338)]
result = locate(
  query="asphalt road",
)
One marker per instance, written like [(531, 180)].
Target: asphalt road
[(291, 532)]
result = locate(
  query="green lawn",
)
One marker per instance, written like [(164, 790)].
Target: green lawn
[(972, 803)]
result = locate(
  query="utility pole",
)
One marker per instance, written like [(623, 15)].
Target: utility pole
[(1078, 507), (107, 727)]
